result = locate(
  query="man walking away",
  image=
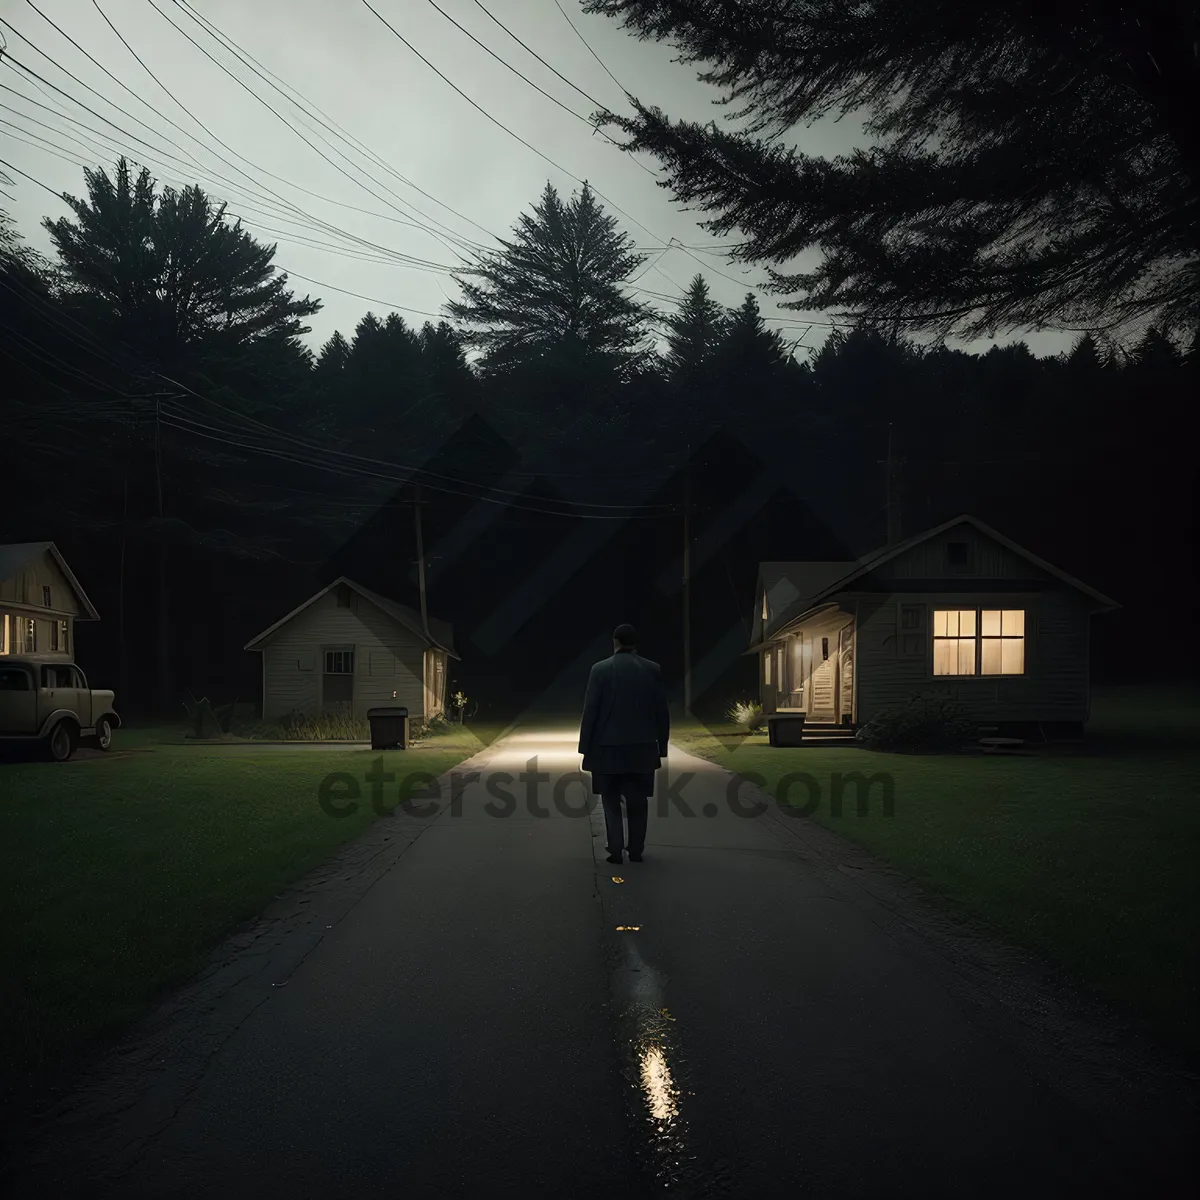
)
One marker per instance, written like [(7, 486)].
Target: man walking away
[(623, 738)]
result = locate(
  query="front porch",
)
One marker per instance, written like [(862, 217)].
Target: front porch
[(808, 668)]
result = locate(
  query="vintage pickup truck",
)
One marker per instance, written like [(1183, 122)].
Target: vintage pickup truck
[(48, 700)]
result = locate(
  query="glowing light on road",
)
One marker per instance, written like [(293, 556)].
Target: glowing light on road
[(628, 928), (618, 879), (659, 1087)]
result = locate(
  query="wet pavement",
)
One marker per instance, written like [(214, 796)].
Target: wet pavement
[(472, 1002)]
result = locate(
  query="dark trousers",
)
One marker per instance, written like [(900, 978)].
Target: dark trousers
[(633, 788)]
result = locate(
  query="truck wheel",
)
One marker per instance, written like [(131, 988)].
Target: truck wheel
[(60, 745), (103, 738)]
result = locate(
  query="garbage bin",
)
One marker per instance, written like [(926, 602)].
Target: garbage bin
[(389, 728), (785, 729)]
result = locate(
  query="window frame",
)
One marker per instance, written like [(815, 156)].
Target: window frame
[(978, 637), (911, 637), (343, 651), (4, 651)]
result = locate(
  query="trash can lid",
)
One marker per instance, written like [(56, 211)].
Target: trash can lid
[(390, 711)]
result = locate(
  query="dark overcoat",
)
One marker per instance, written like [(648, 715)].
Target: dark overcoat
[(626, 719)]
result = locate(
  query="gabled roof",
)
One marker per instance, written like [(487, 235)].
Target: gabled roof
[(790, 586), (871, 562), (803, 605), (16, 555), (439, 631)]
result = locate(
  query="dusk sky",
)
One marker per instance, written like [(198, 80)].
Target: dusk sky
[(464, 177)]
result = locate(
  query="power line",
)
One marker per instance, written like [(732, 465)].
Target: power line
[(316, 115), (281, 179), (592, 52), (504, 63), (268, 76), (394, 256), (191, 164), (491, 16), (496, 121), (211, 433), (360, 296), (279, 116)]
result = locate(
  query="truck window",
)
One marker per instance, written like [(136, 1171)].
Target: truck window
[(14, 679)]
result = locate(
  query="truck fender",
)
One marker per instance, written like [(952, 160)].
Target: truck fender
[(53, 719)]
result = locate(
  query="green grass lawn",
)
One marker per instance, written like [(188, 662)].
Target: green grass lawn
[(120, 872), (1087, 853)]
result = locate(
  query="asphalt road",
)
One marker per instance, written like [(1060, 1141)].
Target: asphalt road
[(471, 1004)]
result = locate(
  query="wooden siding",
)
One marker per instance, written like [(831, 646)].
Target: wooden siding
[(986, 560), (1054, 686), (25, 587), (387, 659), (44, 633)]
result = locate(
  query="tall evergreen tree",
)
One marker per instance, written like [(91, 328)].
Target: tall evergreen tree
[(552, 297), (1155, 352), (694, 333), (165, 275), (1032, 164)]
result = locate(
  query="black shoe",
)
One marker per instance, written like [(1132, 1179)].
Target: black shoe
[(616, 858), (634, 857)]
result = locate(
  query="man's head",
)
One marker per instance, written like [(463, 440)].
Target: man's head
[(624, 637)]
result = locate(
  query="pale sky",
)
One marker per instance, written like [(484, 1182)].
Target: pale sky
[(341, 60)]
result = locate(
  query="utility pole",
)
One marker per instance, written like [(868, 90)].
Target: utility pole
[(417, 502), (164, 627), (892, 484), (687, 585)]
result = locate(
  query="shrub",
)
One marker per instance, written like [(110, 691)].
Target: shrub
[(921, 723), (337, 725), (747, 716)]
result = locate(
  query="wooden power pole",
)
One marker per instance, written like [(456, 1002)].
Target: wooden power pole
[(164, 626), (892, 467), (687, 587), (417, 502)]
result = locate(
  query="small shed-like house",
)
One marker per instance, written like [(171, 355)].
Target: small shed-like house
[(958, 611), (348, 648), (40, 601)]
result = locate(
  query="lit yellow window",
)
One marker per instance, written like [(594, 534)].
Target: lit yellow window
[(767, 667), (954, 641), (990, 641), (1002, 651)]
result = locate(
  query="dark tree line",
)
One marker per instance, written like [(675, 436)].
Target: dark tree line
[(167, 426)]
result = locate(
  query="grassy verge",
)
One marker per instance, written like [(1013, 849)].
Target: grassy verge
[(120, 873), (1087, 853)]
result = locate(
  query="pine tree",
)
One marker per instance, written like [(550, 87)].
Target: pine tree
[(166, 276), (552, 297), (694, 334), (1024, 164)]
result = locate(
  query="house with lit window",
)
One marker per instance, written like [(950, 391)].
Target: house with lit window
[(348, 648), (958, 611), (40, 601)]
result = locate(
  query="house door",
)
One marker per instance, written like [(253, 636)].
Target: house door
[(435, 683), (337, 678), (823, 704)]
